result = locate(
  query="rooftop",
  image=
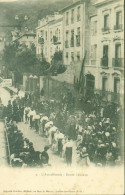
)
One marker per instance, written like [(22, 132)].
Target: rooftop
[(73, 5)]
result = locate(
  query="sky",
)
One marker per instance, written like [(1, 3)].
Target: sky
[(7, 0)]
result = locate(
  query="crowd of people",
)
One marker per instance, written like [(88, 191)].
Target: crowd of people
[(97, 137)]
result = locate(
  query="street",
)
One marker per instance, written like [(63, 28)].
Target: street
[(38, 141)]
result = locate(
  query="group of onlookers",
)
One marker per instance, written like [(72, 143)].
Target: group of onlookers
[(97, 137)]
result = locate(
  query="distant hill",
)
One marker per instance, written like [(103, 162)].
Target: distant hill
[(34, 9)]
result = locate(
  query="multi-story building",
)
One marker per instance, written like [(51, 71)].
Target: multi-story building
[(27, 38), (49, 36), (76, 29), (104, 70)]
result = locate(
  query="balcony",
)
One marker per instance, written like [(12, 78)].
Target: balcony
[(117, 62), (93, 62), (104, 62), (118, 27), (41, 40), (77, 40), (72, 43), (66, 44), (105, 29)]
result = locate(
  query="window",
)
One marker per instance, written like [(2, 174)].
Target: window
[(72, 38), (78, 55), (118, 20), (51, 52), (94, 28), (118, 51), (93, 54), (104, 61), (106, 22), (42, 33), (66, 42), (78, 13), (118, 61), (72, 16), (46, 51), (46, 35), (104, 83), (105, 51), (116, 85), (78, 37), (59, 34), (72, 56), (67, 18), (51, 36), (67, 55)]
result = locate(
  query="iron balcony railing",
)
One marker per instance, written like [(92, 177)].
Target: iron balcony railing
[(105, 29), (117, 62), (41, 40), (118, 27), (104, 62)]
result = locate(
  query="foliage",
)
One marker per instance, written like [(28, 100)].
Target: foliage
[(21, 59), (57, 63)]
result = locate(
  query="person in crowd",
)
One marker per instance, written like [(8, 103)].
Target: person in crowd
[(31, 114), (44, 156), (26, 112), (83, 158), (68, 152)]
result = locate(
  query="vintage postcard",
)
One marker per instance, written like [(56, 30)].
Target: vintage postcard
[(61, 97)]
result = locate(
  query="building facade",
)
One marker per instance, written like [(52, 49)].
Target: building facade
[(28, 39), (105, 69), (49, 36)]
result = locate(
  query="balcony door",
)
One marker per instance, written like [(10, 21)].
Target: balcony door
[(106, 21), (104, 84), (105, 51), (116, 85), (118, 18), (118, 51)]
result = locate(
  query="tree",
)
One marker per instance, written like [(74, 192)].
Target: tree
[(57, 63)]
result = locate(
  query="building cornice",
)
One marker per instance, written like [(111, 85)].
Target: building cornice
[(72, 5), (104, 2)]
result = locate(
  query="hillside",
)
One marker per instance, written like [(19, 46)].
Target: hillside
[(34, 9)]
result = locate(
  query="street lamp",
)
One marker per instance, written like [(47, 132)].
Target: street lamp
[(21, 22)]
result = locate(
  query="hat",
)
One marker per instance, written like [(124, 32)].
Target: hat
[(107, 134)]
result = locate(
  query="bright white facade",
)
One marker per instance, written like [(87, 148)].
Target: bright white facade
[(49, 36), (106, 64)]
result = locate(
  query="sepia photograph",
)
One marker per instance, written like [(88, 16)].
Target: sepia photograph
[(61, 97)]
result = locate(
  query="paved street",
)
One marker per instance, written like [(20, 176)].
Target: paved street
[(39, 143), (4, 95)]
